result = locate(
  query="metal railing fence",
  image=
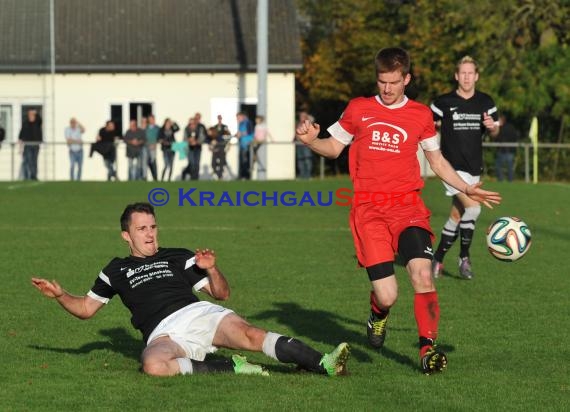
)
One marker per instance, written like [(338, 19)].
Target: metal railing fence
[(53, 161)]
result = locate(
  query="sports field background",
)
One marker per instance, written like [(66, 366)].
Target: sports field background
[(292, 270)]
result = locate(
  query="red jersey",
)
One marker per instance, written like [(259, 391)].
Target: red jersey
[(383, 155)]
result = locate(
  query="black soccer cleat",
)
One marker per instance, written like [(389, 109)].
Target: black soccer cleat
[(433, 361), (376, 330)]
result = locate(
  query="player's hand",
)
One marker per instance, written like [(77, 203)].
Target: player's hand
[(488, 122), (50, 289), (307, 131), (205, 258), (483, 196)]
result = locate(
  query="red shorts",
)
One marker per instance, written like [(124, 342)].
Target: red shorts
[(376, 229)]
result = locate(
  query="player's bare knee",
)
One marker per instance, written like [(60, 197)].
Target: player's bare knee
[(471, 213), (455, 215), (255, 337), (387, 298), (422, 280), (154, 367), (389, 301)]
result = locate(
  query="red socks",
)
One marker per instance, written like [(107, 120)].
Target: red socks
[(373, 304), (378, 311), (426, 310)]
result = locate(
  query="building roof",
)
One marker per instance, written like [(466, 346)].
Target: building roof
[(145, 36)]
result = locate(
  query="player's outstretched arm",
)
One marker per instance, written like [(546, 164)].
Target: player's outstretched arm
[(486, 197), (82, 307), (308, 132), (217, 287), (445, 171)]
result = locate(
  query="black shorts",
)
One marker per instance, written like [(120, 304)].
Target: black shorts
[(414, 242)]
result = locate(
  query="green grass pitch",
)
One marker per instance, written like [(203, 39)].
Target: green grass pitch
[(292, 270)]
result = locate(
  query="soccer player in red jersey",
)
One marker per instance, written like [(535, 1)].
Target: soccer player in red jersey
[(388, 215)]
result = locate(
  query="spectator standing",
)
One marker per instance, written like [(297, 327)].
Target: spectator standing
[(195, 135), (303, 153), (219, 137), (166, 138), (191, 138), (30, 137), (152, 134), (135, 139), (105, 146), (261, 135), (74, 137), (144, 151), (245, 136), (196, 151), (505, 156), (2, 135)]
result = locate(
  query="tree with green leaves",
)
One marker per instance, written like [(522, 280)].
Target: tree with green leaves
[(522, 47)]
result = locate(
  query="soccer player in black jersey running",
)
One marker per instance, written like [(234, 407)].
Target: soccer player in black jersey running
[(156, 285), (464, 116)]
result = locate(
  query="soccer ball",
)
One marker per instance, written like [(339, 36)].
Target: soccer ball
[(508, 238)]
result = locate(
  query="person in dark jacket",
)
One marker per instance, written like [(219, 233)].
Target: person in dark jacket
[(30, 138), (105, 146), (166, 137), (505, 156)]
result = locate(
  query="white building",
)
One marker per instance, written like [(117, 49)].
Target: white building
[(124, 59)]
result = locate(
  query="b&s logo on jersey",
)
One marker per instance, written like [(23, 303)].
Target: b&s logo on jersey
[(386, 137)]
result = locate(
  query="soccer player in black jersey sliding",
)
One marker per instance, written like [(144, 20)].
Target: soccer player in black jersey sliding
[(464, 116), (156, 285)]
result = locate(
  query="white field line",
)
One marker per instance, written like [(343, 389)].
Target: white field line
[(24, 185)]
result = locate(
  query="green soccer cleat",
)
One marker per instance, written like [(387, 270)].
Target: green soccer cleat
[(376, 330), (335, 362), (243, 367), (433, 361)]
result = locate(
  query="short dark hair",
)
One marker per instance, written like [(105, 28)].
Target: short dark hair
[(140, 207), (391, 59)]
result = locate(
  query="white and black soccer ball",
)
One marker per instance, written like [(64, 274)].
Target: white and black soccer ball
[(508, 238)]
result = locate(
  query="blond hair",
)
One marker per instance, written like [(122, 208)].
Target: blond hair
[(465, 60)]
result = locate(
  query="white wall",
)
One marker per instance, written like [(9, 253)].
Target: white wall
[(178, 96)]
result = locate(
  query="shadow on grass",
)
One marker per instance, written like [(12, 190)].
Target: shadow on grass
[(399, 358), (318, 325), (446, 274), (329, 327), (412, 363), (118, 340)]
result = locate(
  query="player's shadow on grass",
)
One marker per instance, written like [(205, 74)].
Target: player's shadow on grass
[(398, 357), (318, 325), (446, 274), (118, 340)]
